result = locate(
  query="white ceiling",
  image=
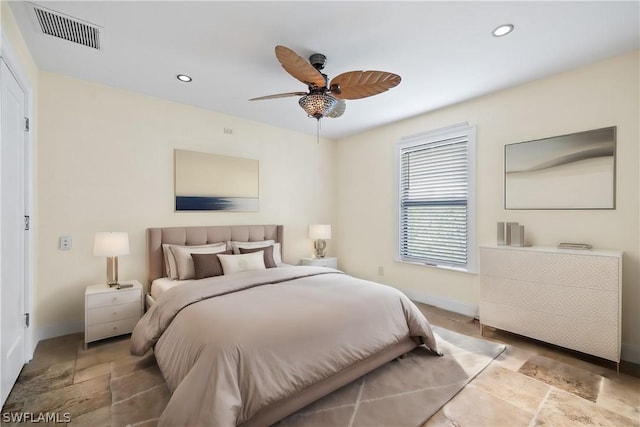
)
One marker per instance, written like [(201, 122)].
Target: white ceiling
[(444, 51)]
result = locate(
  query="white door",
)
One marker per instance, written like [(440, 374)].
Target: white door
[(12, 230)]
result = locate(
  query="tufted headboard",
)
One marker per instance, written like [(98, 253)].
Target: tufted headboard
[(201, 236)]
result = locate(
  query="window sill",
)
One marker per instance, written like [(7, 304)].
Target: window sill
[(441, 267)]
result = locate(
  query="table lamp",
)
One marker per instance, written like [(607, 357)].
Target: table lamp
[(111, 244), (320, 233)]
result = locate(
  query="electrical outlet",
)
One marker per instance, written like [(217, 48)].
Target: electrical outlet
[(65, 243)]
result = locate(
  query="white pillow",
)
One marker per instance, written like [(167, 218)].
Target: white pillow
[(244, 262), (166, 251), (235, 245), (277, 255), (183, 261)]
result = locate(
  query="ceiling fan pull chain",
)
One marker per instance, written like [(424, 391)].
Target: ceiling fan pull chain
[(318, 132)]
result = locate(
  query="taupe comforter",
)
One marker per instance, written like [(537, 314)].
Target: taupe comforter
[(230, 346)]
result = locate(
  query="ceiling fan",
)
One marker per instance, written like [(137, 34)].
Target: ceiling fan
[(326, 99)]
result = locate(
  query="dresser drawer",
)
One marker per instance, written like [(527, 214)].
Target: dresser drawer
[(570, 301), (112, 313), (110, 329), (590, 336), (111, 298), (585, 271)]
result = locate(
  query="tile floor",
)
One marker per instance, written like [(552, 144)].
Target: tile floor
[(530, 384)]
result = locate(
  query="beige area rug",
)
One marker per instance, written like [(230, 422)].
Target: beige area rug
[(404, 392)]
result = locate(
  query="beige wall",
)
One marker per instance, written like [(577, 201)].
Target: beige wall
[(106, 164), (603, 94)]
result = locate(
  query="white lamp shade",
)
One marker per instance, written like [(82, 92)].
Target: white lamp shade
[(320, 231), (111, 243)]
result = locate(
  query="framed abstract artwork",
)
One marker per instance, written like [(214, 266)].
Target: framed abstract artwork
[(575, 171), (210, 182)]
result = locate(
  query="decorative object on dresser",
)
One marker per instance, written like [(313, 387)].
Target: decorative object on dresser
[(581, 246), (331, 262), (568, 298), (111, 244), (575, 171), (320, 233), (504, 232), (517, 235), (110, 311)]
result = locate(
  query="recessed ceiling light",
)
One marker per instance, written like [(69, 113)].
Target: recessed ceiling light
[(502, 30), (183, 78)]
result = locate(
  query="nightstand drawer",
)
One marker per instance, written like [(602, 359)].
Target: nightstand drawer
[(115, 297), (331, 262), (111, 329), (112, 313)]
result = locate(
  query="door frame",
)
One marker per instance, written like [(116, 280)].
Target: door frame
[(11, 59)]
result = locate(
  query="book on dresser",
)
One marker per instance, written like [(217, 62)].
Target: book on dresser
[(570, 298)]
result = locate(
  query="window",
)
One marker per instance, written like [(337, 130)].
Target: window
[(436, 198)]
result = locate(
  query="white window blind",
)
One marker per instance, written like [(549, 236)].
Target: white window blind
[(435, 198)]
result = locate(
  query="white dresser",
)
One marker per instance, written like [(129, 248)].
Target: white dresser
[(110, 312), (570, 298)]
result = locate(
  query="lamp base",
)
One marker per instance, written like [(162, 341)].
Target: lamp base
[(112, 271), (319, 246)]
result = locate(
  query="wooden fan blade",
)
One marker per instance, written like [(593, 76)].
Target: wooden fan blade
[(302, 70), (361, 84), (339, 109), (279, 95)]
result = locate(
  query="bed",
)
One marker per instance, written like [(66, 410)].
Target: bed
[(249, 348)]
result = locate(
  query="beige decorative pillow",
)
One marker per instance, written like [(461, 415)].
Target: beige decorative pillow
[(184, 263), (277, 256), (245, 262)]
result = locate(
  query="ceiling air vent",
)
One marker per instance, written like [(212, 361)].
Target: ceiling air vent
[(67, 28)]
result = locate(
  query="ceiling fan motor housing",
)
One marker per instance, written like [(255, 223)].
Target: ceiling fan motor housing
[(318, 61)]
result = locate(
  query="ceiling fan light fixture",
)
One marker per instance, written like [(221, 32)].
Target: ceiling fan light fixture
[(318, 105)]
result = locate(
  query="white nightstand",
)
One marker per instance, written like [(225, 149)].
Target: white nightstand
[(109, 312), (331, 262)]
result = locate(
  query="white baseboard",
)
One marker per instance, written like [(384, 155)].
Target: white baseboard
[(456, 306), (59, 329), (630, 353)]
